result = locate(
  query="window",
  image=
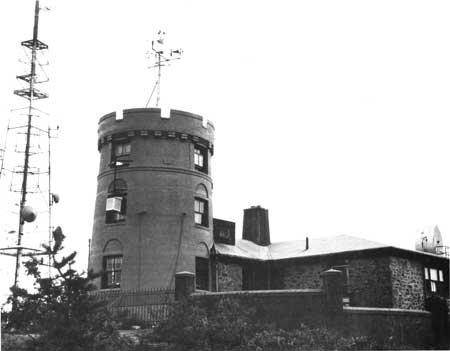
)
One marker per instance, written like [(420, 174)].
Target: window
[(116, 202), (434, 281), (112, 272), (201, 273), (201, 212), (201, 158), (121, 148)]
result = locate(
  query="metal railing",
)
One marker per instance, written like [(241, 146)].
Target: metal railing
[(149, 306)]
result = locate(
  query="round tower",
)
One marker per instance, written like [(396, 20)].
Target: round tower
[(153, 210)]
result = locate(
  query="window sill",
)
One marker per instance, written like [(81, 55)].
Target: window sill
[(201, 226), (116, 223), (201, 170), (110, 289)]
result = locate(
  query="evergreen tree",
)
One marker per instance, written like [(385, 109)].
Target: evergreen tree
[(60, 314)]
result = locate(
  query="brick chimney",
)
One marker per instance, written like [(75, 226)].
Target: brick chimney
[(256, 225)]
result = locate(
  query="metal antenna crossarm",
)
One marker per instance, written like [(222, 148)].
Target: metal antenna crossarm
[(31, 94), (162, 58)]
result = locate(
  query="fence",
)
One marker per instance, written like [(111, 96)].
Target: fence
[(148, 306)]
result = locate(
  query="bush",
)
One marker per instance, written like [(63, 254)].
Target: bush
[(185, 326), (60, 311), (306, 338), (208, 324)]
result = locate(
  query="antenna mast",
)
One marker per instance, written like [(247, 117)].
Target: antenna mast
[(30, 124), (162, 57)]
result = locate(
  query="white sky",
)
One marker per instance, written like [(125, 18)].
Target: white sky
[(331, 114)]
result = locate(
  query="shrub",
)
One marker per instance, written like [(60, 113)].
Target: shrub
[(208, 324), (186, 326), (306, 338), (61, 312)]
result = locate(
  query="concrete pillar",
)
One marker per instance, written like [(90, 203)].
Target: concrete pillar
[(184, 284), (332, 284)]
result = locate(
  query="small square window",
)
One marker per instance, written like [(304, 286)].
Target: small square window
[(122, 148)]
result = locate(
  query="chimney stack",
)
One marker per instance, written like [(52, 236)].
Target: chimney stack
[(307, 244), (256, 225)]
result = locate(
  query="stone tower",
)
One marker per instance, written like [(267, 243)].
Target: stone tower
[(153, 210)]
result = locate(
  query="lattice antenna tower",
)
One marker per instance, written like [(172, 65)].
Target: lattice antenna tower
[(161, 57), (28, 149)]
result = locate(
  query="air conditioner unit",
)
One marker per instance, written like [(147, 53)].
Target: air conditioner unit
[(113, 204)]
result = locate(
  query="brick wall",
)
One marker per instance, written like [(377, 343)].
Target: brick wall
[(370, 282), (229, 276), (407, 283)]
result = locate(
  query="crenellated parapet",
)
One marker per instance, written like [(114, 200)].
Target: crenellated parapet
[(150, 123)]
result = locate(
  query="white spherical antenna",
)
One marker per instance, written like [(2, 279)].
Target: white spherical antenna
[(28, 214)]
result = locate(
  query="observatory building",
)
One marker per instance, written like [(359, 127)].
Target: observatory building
[(153, 210), (153, 218)]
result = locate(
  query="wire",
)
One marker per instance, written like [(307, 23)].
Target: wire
[(148, 101)]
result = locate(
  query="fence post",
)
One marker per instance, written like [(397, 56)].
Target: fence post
[(332, 284), (184, 284)]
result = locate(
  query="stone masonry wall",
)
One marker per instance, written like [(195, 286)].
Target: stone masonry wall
[(303, 276), (412, 328), (407, 283), (229, 276), (369, 279), (282, 308), (370, 282)]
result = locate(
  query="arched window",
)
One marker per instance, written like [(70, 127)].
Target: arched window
[(116, 202), (112, 264), (113, 247), (201, 191)]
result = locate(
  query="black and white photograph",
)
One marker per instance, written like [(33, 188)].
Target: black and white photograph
[(224, 175)]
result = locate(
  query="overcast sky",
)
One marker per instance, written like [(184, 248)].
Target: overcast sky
[(331, 114)]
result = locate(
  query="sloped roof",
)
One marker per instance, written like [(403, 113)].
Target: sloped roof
[(297, 248)]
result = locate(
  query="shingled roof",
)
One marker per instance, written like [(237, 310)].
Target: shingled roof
[(297, 249)]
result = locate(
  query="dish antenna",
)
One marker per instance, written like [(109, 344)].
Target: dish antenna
[(430, 240)]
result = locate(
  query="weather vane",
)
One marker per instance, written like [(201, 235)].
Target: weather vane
[(162, 57)]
